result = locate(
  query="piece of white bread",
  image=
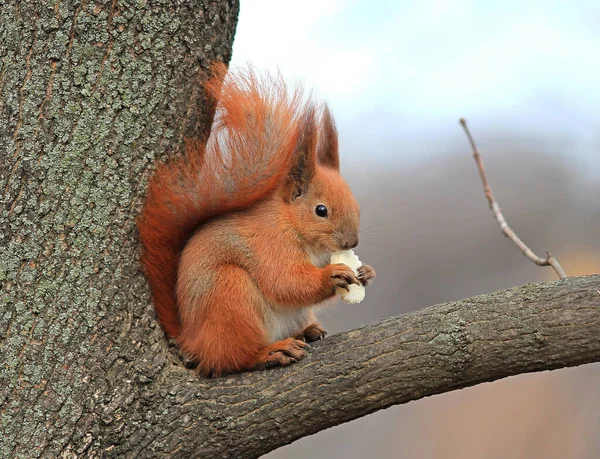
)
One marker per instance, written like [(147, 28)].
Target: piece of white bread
[(355, 293)]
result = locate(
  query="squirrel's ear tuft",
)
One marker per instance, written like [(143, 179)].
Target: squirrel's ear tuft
[(305, 156), (328, 152)]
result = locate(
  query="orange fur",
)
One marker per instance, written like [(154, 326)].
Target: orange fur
[(229, 229)]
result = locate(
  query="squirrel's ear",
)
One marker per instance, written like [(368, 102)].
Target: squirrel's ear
[(328, 152), (305, 157)]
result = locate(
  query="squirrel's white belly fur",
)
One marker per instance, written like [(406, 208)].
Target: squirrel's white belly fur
[(283, 322)]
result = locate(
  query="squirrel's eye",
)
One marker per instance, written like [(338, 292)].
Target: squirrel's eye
[(321, 210)]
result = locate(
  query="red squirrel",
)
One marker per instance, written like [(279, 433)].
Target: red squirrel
[(237, 233)]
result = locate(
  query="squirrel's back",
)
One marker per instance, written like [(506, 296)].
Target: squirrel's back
[(248, 154)]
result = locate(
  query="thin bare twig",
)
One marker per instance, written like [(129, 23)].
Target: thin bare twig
[(508, 232)]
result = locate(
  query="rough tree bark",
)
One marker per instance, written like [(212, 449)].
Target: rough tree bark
[(90, 95)]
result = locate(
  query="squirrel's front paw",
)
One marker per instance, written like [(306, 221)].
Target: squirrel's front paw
[(365, 274), (342, 276)]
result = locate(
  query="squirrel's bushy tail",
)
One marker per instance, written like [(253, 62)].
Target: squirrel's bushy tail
[(246, 158)]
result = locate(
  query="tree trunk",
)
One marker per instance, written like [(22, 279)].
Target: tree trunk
[(91, 95)]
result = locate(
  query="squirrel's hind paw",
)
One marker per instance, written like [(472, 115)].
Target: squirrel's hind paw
[(283, 353), (313, 332)]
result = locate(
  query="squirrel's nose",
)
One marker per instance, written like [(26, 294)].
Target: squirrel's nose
[(350, 243)]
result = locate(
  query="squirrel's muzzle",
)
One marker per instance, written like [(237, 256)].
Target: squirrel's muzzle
[(349, 242)]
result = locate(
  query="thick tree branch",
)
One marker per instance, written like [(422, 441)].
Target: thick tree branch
[(434, 350)]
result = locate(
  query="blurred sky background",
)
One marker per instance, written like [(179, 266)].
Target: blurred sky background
[(398, 76)]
